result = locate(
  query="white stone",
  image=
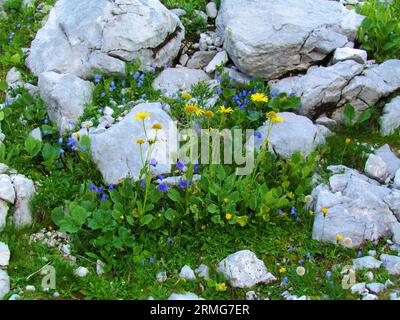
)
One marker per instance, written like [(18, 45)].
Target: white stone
[(30, 288), (14, 297), (201, 59), (24, 189), (372, 253), (376, 168), (4, 255), (81, 272), (187, 273), (391, 263), (211, 10), (343, 54), (203, 272), (220, 59), (13, 76), (396, 181), (358, 288), (391, 160), (295, 134), (370, 297), (376, 287), (3, 214), (273, 38), (116, 153), (390, 120), (173, 80), (161, 276), (7, 192), (4, 283), (80, 36), (36, 134), (358, 208), (100, 267), (108, 111), (65, 97), (185, 296), (370, 276), (366, 262), (244, 270), (3, 168)]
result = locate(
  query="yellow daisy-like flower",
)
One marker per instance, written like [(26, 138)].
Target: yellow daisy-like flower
[(339, 237), (226, 200), (209, 114), (311, 212), (193, 108), (224, 110), (157, 126), (142, 115), (228, 216), (140, 141), (186, 96), (78, 135), (274, 118), (122, 218), (259, 97), (325, 211), (221, 287), (348, 140), (282, 270)]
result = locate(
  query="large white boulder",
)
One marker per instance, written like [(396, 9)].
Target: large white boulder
[(7, 192), (116, 153), (244, 270), (80, 36), (359, 208), (4, 283), (65, 96), (390, 120), (4, 255), (3, 214), (24, 189), (271, 38), (295, 134)]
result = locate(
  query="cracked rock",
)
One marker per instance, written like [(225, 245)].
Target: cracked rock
[(390, 120), (273, 38)]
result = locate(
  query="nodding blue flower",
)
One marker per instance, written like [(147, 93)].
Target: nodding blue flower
[(123, 83), (328, 274), (142, 76), (183, 184), (293, 211), (97, 78), (291, 248), (285, 280), (190, 182), (196, 168), (180, 165), (153, 162), (18, 25), (123, 100), (301, 262), (292, 94), (111, 89), (103, 94), (29, 18), (143, 183), (280, 212), (298, 219), (103, 197), (217, 75), (170, 240), (136, 75), (153, 68), (151, 260), (161, 177), (359, 253), (99, 190), (308, 255), (274, 94), (163, 187), (143, 95), (178, 99), (61, 151), (166, 66), (164, 105), (92, 187), (257, 134), (331, 283), (111, 187), (28, 26), (46, 121), (112, 84)]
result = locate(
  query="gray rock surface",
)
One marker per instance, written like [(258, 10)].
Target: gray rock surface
[(24, 189), (4, 283), (272, 38), (244, 270), (185, 296), (390, 120), (4, 255), (343, 54), (366, 262)]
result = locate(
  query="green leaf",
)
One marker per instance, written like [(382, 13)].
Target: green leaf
[(33, 146), (170, 214), (242, 220), (212, 208), (3, 85), (174, 195), (1, 116), (57, 215), (349, 115), (15, 59), (145, 220)]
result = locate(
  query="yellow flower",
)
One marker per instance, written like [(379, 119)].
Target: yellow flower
[(339, 237), (78, 135), (348, 140), (224, 110), (140, 141), (325, 211), (311, 213), (274, 118), (221, 287), (157, 126), (209, 114), (192, 108), (259, 97), (282, 270), (290, 195), (142, 115), (226, 200), (122, 218), (186, 96), (228, 216)]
